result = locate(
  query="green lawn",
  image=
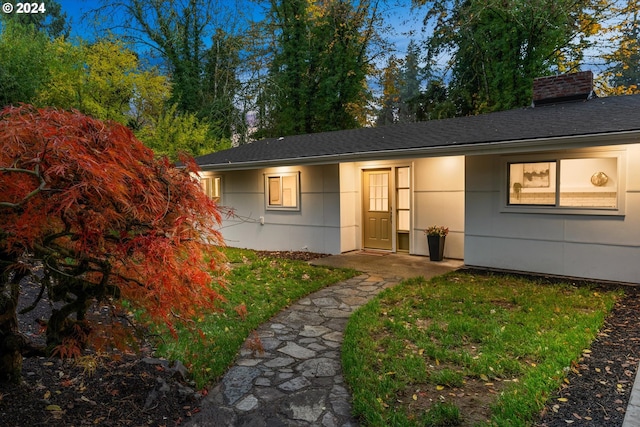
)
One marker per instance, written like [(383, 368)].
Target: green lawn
[(431, 353), (424, 353), (258, 288)]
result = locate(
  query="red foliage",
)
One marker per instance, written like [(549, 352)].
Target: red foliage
[(105, 215)]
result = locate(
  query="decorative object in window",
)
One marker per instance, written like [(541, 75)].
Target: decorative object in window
[(535, 175), (599, 179)]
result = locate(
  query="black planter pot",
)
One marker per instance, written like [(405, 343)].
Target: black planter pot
[(436, 247)]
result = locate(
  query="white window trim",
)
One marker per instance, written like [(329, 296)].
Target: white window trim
[(619, 210), (267, 189)]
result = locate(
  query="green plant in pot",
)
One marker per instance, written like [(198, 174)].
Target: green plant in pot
[(436, 235)]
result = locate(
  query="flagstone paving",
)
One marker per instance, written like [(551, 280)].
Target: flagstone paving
[(296, 378)]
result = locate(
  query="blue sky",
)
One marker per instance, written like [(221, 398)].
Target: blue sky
[(397, 13)]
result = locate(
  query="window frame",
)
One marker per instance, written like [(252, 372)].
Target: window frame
[(557, 158), (213, 179), (268, 186)]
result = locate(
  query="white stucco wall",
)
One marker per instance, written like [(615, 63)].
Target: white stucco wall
[(603, 247), (315, 227)]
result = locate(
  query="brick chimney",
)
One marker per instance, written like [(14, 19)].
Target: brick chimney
[(562, 88)]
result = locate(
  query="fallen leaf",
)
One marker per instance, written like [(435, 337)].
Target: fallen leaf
[(563, 399), (53, 408)]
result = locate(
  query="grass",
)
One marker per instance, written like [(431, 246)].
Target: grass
[(258, 288), (425, 352)]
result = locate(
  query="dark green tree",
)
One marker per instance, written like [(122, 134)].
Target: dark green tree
[(24, 62), (318, 67), (498, 47), (410, 83), (390, 99), (221, 85)]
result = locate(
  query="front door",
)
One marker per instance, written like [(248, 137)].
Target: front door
[(376, 206)]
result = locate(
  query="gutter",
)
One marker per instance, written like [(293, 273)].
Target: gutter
[(470, 149)]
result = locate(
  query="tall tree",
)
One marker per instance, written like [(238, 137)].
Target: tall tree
[(320, 61), (114, 81), (622, 75), (87, 205), (410, 84), (220, 85), (106, 80), (197, 41), (498, 47), (390, 99)]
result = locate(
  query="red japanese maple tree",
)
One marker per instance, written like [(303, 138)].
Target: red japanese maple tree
[(90, 207)]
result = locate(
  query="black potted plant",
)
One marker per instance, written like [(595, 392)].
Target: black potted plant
[(436, 235)]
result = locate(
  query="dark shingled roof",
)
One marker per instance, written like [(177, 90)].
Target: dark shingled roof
[(593, 117)]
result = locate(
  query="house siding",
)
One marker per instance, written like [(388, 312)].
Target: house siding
[(600, 247), (439, 200), (315, 227), (330, 215)]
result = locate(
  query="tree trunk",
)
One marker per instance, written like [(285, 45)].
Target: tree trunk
[(11, 342)]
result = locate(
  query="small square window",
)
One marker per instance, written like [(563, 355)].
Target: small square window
[(211, 185), (283, 191)]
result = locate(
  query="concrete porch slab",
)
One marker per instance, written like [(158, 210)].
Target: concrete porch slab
[(387, 264)]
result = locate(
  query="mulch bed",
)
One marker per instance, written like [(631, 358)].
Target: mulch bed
[(598, 387), (141, 391)]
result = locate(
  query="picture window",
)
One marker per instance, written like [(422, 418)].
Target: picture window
[(573, 183)]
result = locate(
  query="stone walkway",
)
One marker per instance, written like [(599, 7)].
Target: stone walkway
[(297, 380)]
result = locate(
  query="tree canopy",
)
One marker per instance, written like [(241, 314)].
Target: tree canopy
[(317, 74), (498, 47), (104, 219)]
